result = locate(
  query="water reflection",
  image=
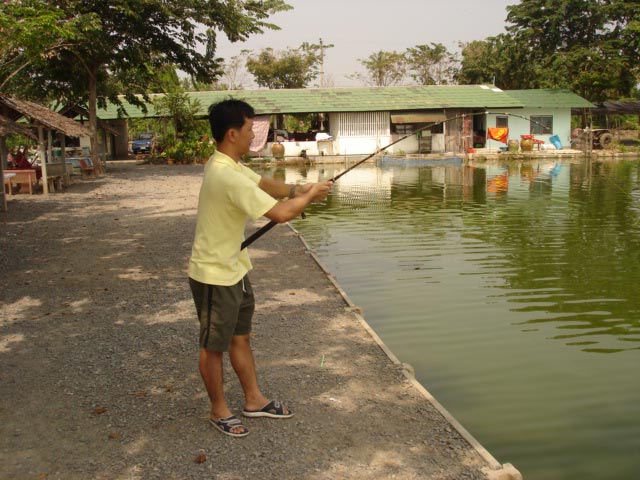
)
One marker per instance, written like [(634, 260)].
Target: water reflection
[(559, 240)]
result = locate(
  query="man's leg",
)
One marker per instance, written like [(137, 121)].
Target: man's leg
[(211, 370), (244, 365)]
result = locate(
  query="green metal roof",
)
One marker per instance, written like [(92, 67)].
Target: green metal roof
[(366, 99), (549, 98)]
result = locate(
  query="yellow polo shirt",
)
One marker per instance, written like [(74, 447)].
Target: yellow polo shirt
[(229, 195)]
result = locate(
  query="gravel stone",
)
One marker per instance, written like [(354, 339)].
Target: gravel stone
[(97, 314)]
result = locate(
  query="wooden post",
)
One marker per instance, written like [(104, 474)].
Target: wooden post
[(50, 146), (43, 153), (3, 155), (63, 156)]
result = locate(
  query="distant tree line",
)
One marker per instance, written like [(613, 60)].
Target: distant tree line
[(90, 52)]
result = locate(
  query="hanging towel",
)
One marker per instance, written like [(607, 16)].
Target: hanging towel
[(498, 134), (260, 130)]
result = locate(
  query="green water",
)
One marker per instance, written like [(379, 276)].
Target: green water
[(512, 290)]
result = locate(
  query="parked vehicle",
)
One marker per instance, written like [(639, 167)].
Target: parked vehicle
[(144, 143), (600, 138)]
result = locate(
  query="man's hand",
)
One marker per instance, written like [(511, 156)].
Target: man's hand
[(305, 194), (319, 191)]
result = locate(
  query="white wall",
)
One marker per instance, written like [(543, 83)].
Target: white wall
[(353, 144), (408, 145), (359, 145)]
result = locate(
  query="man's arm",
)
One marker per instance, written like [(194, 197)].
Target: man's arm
[(278, 189), (291, 208)]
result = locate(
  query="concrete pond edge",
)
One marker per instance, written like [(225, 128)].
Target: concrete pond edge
[(495, 470)]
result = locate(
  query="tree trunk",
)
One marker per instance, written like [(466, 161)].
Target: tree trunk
[(93, 120)]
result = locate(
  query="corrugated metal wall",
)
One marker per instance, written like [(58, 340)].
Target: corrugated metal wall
[(363, 124)]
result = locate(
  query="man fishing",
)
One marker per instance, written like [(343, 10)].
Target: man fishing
[(230, 194)]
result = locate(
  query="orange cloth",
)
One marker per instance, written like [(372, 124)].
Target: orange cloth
[(498, 134)]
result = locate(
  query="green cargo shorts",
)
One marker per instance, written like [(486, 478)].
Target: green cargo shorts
[(223, 312)]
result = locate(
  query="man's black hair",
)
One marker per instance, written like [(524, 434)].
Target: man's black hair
[(228, 114)]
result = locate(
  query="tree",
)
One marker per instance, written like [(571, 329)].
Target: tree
[(165, 80), (591, 47), (383, 69), (478, 64), (93, 50), (233, 78), (431, 65), (496, 60), (181, 110), (290, 68)]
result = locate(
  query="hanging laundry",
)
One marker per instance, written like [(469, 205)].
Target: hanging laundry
[(498, 134)]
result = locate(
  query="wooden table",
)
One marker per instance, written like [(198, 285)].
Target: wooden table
[(20, 177), (6, 177)]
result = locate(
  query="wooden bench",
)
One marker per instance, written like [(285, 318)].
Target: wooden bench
[(87, 170), (54, 182), (21, 177), (60, 170)]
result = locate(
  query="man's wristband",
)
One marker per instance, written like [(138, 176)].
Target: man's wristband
[(292, 191)]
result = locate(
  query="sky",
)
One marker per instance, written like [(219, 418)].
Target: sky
[(358, 28)]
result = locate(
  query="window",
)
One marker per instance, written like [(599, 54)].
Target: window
[(502, 121), (404, 128), (541, 124)]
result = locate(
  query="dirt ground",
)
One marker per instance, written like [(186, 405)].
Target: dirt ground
[(98, 352)]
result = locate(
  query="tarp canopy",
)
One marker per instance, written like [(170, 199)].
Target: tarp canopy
[(418, 117), (618, 108)]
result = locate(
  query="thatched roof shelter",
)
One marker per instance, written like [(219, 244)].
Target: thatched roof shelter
[(38, 119), (7, 127), (40, 116)]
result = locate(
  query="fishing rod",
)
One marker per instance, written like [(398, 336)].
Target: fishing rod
[(256, 235)]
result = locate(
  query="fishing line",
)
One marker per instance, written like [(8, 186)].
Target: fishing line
[(273, 223)]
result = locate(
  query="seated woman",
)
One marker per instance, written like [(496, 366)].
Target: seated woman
[(21, 162)]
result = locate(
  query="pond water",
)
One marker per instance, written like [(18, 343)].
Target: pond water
[(512, 290)]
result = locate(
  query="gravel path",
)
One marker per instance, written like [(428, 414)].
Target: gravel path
[(98, 352)]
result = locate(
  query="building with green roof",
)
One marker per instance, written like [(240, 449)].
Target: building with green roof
[(361, 120), (545, 113)]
